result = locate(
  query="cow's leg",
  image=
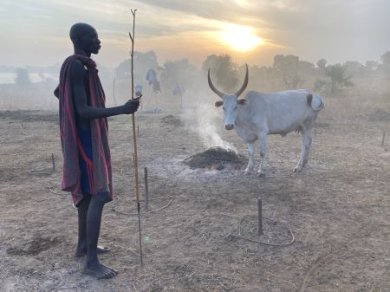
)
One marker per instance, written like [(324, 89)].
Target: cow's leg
[(251, 156), (306, 143), (263, 153)]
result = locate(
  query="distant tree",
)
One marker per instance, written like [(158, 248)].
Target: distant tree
[(321, 63), (223, 71), (286, 63), (292, 81), (306, 67), (353, 68), (142, 63), (261, 74), (263, 78), (338, 78), (320, 85), (22, 77), (178, 73), (386, 59), (288, 67)]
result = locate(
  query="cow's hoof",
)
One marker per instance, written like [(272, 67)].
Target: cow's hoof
[(248, 171), (297, 169), (261, 174)]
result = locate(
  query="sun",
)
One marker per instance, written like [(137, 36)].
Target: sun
[(239, 38)]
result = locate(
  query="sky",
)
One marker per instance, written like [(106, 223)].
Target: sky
[(36, 32)]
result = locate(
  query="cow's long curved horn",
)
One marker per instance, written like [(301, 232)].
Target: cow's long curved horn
[(243, 87), (217, 92)]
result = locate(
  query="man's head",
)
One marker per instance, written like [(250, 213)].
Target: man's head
[(85, 38)]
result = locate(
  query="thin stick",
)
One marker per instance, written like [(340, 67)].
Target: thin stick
[(260, 215), (113, 91), (266, 243), (146, 189), (132, 36), (53, 162)]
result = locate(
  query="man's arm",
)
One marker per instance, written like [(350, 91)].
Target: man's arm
[(85, 111)]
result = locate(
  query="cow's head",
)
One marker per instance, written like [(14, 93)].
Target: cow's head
[(229, 102)]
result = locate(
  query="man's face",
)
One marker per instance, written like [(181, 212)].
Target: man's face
[(90, 41)]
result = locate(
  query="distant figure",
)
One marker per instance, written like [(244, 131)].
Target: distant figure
[(179, 91), (151, 77), (83, 128)]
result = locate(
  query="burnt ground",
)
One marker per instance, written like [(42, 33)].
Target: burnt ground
[(337, 209)]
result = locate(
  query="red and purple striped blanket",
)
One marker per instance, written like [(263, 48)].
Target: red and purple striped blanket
[(99, 168)]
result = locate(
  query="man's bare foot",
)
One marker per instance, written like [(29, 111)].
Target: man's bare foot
[(83, 252), (99, 271)]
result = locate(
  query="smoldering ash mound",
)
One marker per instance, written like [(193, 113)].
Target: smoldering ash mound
[(216, 158)]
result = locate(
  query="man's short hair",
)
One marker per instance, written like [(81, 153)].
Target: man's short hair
[(78, 30)]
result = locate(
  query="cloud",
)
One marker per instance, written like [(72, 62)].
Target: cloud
[(333, 29)]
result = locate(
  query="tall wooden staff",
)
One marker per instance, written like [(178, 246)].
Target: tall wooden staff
[(132, 36)]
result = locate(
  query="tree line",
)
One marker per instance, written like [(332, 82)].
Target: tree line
[(175, 78)]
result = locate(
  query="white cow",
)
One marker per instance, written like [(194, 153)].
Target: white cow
[(262, 114)]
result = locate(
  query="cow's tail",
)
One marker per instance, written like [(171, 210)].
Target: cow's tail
[(309, 99), (315, 107)]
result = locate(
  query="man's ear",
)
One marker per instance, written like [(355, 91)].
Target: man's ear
[(218, 103), (241, 101)]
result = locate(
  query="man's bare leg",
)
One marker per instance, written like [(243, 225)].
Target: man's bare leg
[(81, 249), (93, 267), (82, 210)]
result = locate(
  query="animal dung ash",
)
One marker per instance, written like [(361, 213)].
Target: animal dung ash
[(171, 120), (217, 158)]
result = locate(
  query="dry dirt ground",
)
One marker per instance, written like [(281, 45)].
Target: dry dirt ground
[(337, 210)]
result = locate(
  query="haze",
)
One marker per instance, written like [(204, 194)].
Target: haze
[(35, 33)]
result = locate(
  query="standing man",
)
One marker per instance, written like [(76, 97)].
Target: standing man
[(83, 128)]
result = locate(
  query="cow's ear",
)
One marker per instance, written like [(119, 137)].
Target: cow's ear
[(218, 103), (242, 101)]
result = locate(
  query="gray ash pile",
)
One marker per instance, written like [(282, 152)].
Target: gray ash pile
[(216, 158)]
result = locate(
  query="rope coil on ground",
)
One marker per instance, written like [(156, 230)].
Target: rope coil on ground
[(114, 208), (262, 242)]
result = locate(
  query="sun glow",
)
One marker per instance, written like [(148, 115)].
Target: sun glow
[(239, 38)]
